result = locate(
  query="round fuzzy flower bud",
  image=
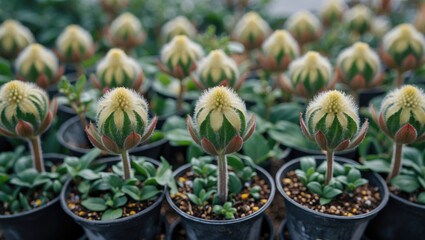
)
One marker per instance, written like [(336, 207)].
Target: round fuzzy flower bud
[(39, 65), (358, 19), (402, 115), (304, 26), (278, 51), (121, 121), (359, 66), (332, 121), (13, 38), (126, 32), (403, 48), (116, 69), (217, 69), (251, 30), (179, 56), (178, 26), (25, 110), (332, 11), (309, 74), (220, 123), (380, 26), (74, 44)]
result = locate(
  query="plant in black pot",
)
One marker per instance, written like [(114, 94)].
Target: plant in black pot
[(402, 119), (334, 200), (118, 202), (29, 194), (213, 200), (13, 38)]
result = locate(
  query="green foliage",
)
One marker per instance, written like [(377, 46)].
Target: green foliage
[(347, 178), (227, 210)]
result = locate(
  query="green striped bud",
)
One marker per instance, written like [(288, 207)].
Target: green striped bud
[(217, 69), (359, 19), (359, 66), (251, 30), (74, 44), (403, 48), (332, 120), (126, 32), (24, 110), (220, 123), (180, 56), (304, 26), (310, 74), (13, 38), (116, 69), (178, 26), (332, 11), (39, 65), (121, 121)]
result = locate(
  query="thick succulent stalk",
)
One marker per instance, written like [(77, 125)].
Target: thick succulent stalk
[(396, 161), (37, 154), (329, 166), (80, 69), (126, 165), (399, 78), (222, 180), (180, 96)]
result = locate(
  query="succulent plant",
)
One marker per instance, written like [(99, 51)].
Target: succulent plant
[(304, 26), (121, 124), (39, 65), (278, 51), (359, 19), (359, 67), (220, 126), (332, 11), (117, 69), (332, 121), (402, 118), (113, 6), (26, 112), (217, 69), (380, 26), (308, 75), (179, 58), (13, 38), (403, 49), (178, 26), (126, 32), (74, 44), (251, 30)]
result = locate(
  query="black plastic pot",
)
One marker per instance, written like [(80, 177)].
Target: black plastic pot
[(177, 231), (304, 223), (143, 225), (302, 152), (366, 95), (400, 219), (72, 136), (5, 145), (48, 222), (247, 228)]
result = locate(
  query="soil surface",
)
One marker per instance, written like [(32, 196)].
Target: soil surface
[(362, 200), (244, 203), (412, 197)]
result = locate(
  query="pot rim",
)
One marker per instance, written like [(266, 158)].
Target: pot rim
[(222, 222), (65, 126), (407, 202), (41, 208), (114, 221), (384, 198)]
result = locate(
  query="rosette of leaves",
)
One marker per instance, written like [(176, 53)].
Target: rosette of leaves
[(251, 30), (126, 32), (332, 121), (13, 38), (121, 123), (304, 27), (332, 11), (220, 126), (110, 196), (358, 19), (179, 25)]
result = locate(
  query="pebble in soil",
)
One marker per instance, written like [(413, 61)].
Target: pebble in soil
[(244, 203), (362, 200)]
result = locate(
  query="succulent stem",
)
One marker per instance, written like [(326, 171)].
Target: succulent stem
[(80, 69), (222, 179), (180, 96), (396, 161), (37, 154), (399, 78), (126, 164), (329, 166)]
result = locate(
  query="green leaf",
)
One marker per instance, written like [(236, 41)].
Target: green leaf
[(149, 192), (235, 185), (360, 182), (94, 204), (378, 165), (324, 201), (421, 198), (120, 201), (353, 175), (405, 183), (81, 83), (132, 191), (235, 162), (330, 192), (315, 187), (257, 148), (307, 163), (88, 174), (3, 178), (112, 214), (24, 202), (197, 186)]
